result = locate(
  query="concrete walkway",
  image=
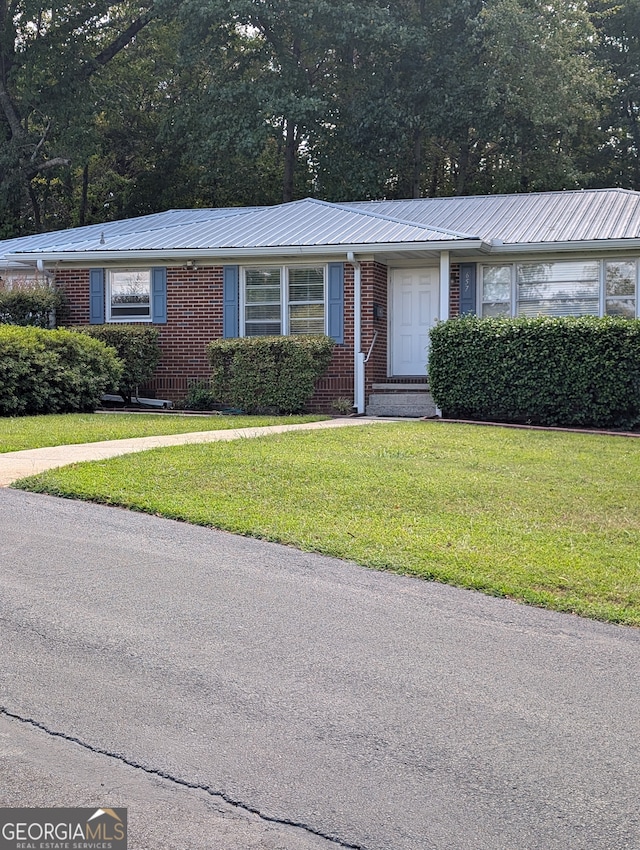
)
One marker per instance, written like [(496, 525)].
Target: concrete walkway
[(15, 465)]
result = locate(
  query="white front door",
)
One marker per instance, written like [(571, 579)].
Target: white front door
[(415, 298)]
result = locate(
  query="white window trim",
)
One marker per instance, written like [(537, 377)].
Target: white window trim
[(284, 292), (602, 281), (126, 320)]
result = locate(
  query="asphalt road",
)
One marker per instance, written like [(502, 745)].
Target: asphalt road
[(235, 694)]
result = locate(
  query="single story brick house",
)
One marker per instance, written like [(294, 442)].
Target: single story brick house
[(374, 275)]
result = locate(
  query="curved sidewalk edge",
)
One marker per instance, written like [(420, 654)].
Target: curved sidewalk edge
[(16, 465)]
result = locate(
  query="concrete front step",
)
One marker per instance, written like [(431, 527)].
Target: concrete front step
[(401, 388), (411, 404)]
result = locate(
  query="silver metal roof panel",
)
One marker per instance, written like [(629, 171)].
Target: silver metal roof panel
[(299, 224), (545, 217)]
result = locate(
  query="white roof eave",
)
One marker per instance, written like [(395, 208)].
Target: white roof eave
[(214, 254)]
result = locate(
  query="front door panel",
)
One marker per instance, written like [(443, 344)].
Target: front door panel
[(414, 310)]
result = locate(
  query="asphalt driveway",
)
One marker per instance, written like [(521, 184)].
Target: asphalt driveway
[(238, 694)]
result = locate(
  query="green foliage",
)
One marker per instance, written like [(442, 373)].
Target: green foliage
[(30, 304), (138, 347), (46, 371), (266, 373), (567, 372), (200, 396)]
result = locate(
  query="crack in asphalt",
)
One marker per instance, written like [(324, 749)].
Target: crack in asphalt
[(151, 771)]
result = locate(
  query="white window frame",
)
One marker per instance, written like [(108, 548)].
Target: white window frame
[(602, 280), (480, 289), (109, 273), (284, 293)]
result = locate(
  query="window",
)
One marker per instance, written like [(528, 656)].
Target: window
[(496, 291), (306, 301), (263, 311), (620, 288), (129, 295), (560, 288), (287, 300)]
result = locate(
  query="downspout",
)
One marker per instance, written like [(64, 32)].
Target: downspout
[(358, 355)]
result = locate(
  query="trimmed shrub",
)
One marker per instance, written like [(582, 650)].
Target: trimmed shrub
[(138, 348), (268, 373), (46, 371), (30, 303), (200, 397), (567, 371)]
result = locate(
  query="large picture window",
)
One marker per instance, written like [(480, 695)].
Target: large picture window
[(129, 295), (560, 288), (284, 300)]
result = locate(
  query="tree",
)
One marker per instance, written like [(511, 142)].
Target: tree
[(47, 58), (614, 154)]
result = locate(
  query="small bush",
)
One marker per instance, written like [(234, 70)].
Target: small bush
[(268, 374), (138, 347), (30, 303), (200, 397), (567, 372), (46, 371)]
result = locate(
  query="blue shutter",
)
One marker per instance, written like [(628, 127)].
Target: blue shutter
[(159, 296), (96, 296), (230, 302), (467, 289), (336, 302)]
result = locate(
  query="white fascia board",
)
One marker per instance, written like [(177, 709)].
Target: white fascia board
[(211, 255)]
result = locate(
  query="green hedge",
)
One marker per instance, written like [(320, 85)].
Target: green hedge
[(44, 371), (138, 348), (33, 304), (566, 372), (268, 373)]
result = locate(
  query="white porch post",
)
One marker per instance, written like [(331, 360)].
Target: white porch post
[(445, 274), (445, 277)]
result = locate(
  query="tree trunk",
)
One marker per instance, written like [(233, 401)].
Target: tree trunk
[(82, 213), (290, 151)]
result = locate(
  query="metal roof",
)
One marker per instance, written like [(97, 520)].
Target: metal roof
[(545, 217), (478, 222), (299, 224)]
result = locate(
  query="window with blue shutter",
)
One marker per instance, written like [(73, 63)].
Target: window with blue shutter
[(96, 296), (335, 302), (230, 302)]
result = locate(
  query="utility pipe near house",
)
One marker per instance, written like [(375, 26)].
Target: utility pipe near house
[(358, 355)]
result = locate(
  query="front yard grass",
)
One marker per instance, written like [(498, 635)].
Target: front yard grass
[(547, 518), (34, 432)]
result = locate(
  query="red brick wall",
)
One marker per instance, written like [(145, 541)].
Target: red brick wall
[(454, 290), (374, 292), (74, 284), (338, 381), (194, 318)]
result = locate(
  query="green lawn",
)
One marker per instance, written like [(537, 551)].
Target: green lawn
[(548, 518), (33, 432)]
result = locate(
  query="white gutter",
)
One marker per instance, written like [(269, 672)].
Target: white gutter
[(577, 246), (211, 255), (358, 355)]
